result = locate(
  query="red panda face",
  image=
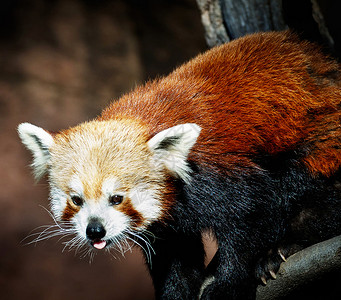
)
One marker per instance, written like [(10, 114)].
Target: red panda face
[(103, 181), (107, 178)]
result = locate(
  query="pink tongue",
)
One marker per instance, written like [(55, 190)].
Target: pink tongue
[(100, 245)]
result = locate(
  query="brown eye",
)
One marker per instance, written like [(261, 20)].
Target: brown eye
[(78, 201), (115, 199)]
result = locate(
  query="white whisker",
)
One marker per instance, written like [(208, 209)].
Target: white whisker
[(66, 230), (147, 248), (63, 229), (71, 243), (147, 252)]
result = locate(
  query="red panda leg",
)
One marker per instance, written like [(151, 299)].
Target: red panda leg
[(228, 276), (268, 266), (178, 266), (317, 218)]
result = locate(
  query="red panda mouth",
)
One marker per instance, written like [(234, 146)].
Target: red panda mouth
[(99, 244)]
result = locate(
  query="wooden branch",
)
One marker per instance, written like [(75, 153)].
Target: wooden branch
[(303, 267), (228, 19), (212, 19), (319, 19), (247, 16)]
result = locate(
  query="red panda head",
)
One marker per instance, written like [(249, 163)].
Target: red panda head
[(108, 178)]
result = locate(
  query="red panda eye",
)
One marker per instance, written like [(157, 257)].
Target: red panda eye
[(78, 201), (115, 199)]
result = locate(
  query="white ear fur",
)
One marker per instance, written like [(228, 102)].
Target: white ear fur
[(172, 146), (38, 141)]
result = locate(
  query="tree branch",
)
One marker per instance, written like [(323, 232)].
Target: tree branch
[(319, 19), (229, 19), (212, 19), (303, 267)]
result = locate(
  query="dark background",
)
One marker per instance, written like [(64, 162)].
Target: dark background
[(62, 61)]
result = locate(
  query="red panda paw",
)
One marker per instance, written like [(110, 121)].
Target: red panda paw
[(268, 266)]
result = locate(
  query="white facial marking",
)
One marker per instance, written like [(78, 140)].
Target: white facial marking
[(110, 187), (58, 200), (114, 222), (146, 202), (76, 186)]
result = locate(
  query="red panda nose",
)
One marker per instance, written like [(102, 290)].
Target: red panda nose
[(95, 230)]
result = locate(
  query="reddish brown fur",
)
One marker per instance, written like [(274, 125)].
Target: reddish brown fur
[(263, 93), (69, 211), (128, 209)]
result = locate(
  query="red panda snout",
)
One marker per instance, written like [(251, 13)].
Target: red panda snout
[(95, 233), (95, 230)]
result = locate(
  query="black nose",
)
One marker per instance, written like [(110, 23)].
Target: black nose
[(95, 230)]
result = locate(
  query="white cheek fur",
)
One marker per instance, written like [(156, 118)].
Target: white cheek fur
[(146, 202), (58, 200)]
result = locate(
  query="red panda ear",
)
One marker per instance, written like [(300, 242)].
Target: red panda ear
[(38, 141), (171, 148)]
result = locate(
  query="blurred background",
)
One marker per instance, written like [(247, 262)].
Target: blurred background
[(62, 62)]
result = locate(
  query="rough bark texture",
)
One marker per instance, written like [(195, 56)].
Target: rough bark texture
[(303, 268), (212, 19), (316, 20), (245, 16), (320, 20), (229, 19)]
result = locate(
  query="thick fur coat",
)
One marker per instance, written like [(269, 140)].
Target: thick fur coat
[(243, 140)]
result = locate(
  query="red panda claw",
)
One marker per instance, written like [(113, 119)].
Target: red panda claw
[(263, 280), (281, 255), (273, 274)]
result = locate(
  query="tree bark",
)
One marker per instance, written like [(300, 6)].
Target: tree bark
[(303, 267), (246, 16), (230, 19), (212, 20), (315, 20)]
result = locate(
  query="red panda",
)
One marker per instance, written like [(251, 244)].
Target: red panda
[(243, 140)]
